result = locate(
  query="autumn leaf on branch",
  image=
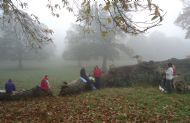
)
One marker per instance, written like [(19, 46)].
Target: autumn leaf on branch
[(27, 27), (111, 15)]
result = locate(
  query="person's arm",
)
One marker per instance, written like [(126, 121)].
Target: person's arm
[(48, 83)]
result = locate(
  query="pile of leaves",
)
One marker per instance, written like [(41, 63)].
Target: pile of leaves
[(108, 105)]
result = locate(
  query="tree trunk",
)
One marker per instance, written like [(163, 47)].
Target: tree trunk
[(20, 65), (74, 87), (20, 58)]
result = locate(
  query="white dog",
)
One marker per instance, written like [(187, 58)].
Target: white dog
[(161, 89)]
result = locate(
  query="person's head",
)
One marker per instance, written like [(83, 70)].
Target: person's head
[(169, 64), (46, 76), (84, 66), (96, 67)]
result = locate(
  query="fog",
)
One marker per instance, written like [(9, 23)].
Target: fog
[(159, 43), (158, 46)]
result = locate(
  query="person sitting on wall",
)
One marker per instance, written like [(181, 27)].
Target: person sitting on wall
[(10, 86), (44, 85), (85, 79)]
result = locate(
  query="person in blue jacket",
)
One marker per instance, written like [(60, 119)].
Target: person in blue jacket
[(10, 86)]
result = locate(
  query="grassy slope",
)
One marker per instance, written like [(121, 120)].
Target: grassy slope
[(119, 105)]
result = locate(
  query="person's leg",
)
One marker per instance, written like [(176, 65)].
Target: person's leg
[(97, 83), (90, 83), (168, 86), (172, 85), (164, 83)]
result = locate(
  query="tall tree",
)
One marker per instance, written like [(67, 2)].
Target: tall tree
[(183, 19), (121, 13), (85, 46)]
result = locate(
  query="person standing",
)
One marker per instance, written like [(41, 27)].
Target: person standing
[(97, 74), (169, 78), (174, 70), (10, 86)]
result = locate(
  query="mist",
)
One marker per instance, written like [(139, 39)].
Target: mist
[(157, 46), (159, 43)]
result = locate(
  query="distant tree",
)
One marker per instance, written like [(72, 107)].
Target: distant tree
[(12, 48), (121, 14), (184, 17), (82, 46), (157, 46)]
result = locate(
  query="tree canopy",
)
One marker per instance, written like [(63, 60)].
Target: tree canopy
[(184, 17), (120, 14), (85, 46)]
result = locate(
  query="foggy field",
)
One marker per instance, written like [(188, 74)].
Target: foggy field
[(31, 75), (137, 50), (58, 71)]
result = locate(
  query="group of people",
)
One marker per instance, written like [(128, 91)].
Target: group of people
[(44, 85), (168, 78), (93, 81)]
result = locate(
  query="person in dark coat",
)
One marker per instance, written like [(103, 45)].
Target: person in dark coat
[(84, 76), (10, 86)]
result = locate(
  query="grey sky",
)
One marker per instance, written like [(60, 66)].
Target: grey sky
[(61, 24)]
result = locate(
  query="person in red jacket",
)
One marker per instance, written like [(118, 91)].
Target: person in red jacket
[(97, 74), (44, 85)]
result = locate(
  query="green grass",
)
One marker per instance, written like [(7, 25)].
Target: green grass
[(32, 73), (119, 105), (145, 104), (28, 78), (115, 105)]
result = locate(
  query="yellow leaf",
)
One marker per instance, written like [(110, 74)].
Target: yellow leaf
[(104, 33), (109, 20), (106, 8), (83, 2)]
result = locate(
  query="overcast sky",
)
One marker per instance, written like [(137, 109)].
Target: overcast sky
[(61, 25)]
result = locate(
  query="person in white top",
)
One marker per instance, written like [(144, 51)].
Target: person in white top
[(169, 77)]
